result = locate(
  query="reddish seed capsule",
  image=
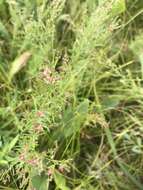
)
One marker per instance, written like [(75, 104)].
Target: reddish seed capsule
[(49, 79), (33, 162), (46, 72), (38, 128), (40, 114), (22, 157), (61, 169), (50, 172)]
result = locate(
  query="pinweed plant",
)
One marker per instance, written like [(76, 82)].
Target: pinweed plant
[(71, 97)]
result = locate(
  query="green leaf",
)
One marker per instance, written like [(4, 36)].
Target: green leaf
[(12, 143), (111, 102), (3, 163), (137, 45), (111, 140), (40, 182), (60, 181), (68, 115), (3, 31), (76, 121), (119, 6), (124, 169), (83, 107), (8, 147), (3, 9), (137, 48)]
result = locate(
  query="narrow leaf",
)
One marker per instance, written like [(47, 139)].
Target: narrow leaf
[(8, 147), (3, 31), (60, 181), (119, 6)]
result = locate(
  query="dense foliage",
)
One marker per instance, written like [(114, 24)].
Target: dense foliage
[(71, 94)]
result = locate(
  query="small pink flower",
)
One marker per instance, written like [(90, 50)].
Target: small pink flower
[(48, 76), (38, 128), (111, 28), (40, 114), (61, 169), (47, 72), (50, 79), (22, 156), (50, 171), (33, 162)]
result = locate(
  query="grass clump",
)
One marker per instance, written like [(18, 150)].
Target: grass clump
[(71, 95)]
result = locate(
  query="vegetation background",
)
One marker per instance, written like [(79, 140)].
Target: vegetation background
[(71, 94)]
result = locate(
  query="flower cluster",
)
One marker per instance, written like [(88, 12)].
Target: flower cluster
[(38, 128), (48, 76), (29, 159)]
